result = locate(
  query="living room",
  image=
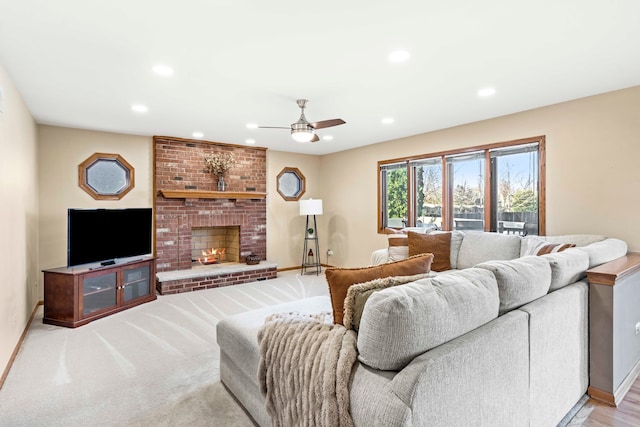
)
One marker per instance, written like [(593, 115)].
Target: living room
[(591, 184)]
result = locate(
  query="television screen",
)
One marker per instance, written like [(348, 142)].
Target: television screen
[(103, 235)]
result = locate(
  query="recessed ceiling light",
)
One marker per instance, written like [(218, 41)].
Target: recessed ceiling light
[(139, 108), (328, 138), (251, 126), (163, 70), (388, 120), (488, 91), (398, 56), (197, 134), (250, 141)]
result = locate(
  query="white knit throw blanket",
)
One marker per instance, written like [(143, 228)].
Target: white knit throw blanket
[(305, 370)]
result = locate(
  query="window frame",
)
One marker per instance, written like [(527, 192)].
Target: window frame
[(85, 182), (447, 214)]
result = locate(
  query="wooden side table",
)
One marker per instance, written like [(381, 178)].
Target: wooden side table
[(614, 328)]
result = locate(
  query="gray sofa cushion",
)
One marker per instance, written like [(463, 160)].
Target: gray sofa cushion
[(520, 280), (531, 244), (404, 321), (357, 296), (577, 239), (456, 240), (479, 247), (567, 267), (559, 352), (604, 251), (237, 335)]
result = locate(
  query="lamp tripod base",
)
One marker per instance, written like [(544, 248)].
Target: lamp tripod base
[(311, 251)]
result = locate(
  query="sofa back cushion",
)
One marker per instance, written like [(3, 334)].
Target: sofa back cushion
[(401, 322), (456, 240), (567, 267), (520, 281), (577, 239), (600, 249), (536, 245), (477, 247), (604, 251), (340, 279), (358, 294)]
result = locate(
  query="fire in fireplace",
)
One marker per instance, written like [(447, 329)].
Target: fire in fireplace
[(212, 256), (213, 245)]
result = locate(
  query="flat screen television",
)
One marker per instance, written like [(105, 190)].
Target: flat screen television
[(104, 235)]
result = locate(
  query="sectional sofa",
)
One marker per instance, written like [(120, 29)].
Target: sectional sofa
[(497, 337)]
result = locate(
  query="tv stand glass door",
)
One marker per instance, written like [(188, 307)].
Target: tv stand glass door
[(99, 292), (136, 282)]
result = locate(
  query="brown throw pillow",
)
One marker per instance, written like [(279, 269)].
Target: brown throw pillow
[(550, 248), (439, 244), (339, 279)]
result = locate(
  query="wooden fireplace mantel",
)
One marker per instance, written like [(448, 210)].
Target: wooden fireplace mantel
[(200, 194)]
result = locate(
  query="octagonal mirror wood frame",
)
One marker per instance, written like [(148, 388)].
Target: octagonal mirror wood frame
[(106, 176), (291, 184)]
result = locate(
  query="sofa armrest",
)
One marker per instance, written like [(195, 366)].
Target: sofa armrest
[(604, 251), (450, 383)]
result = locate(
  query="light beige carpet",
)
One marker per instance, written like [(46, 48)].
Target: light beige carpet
[(153, 365)]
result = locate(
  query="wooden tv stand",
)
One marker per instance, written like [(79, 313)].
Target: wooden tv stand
[(76, 296)]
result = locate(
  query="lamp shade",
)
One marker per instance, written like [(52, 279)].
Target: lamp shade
[(311, 207)]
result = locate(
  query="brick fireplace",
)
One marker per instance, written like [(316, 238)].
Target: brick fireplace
[(187, 202)]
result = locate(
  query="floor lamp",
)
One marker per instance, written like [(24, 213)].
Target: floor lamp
[(311, 252)]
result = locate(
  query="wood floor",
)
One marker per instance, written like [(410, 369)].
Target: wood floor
[(596, 414)]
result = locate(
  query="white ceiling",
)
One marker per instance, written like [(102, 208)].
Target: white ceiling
[(82, 63)]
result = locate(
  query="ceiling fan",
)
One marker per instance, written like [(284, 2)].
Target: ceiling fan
[(302, 130)]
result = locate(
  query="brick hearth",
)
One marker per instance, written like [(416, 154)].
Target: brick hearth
[(207, 277), (179, 167)]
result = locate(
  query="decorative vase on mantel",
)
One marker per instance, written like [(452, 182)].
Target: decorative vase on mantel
[(221, 184)]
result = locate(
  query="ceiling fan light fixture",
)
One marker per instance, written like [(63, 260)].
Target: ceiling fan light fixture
[(302, 132)]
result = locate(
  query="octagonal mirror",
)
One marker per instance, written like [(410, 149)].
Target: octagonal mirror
[(291, 184), (106, 176)]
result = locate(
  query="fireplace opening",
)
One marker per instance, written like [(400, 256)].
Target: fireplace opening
[(215, 245)]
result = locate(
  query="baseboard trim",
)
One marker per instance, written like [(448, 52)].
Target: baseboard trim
[(601, 396), (614, 399), (300, 268), (288, 269), (19, 345)]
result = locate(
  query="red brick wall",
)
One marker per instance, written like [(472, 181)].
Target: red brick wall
[(179, 165)]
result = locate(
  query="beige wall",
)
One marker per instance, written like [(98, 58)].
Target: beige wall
[(18, 218), (60, 151), (592, 178), (285, 227)]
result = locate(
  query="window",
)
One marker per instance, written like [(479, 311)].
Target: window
[(466, 186), (514, 190), (393, 179), (291, 184), (428, 191), (497, 187), (106, 176)]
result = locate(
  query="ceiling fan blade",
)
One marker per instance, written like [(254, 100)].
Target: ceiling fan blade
[(315, 138), (274, 127), (328, 123)]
